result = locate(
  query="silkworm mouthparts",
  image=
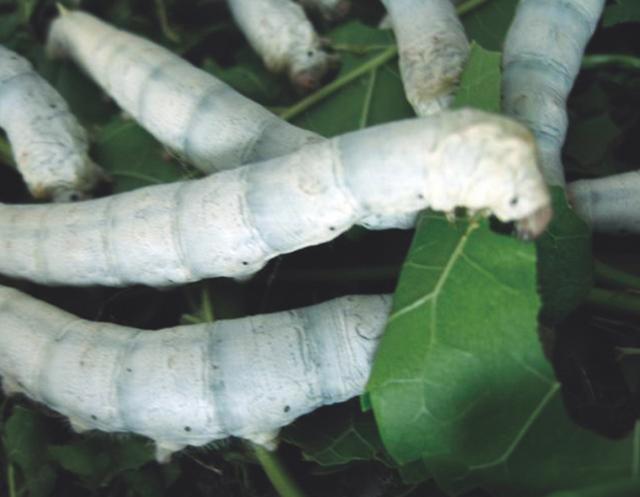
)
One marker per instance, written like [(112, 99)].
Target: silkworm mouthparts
[(311, 79), (532, 226)]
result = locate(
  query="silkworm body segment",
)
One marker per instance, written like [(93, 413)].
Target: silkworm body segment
[(542, 55), (231, 223), (433, 49), (190, 385), (187, 109), (285, 39), (609, 205), (49, 146)]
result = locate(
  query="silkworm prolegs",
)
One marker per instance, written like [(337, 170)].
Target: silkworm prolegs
[(190, 385)]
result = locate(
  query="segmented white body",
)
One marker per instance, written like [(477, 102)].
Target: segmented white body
[(433, 49), (542, 55), (188, 109), (611, 204), (330, 9), (285, 39), (49, 145), (190, 385), (231, 223)]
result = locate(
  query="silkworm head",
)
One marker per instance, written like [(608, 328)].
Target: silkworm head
[(80, 187), (520, 191), (492, 164), (309, 67)]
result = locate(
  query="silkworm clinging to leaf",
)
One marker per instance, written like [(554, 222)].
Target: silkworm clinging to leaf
[(190, 385), (542, 55), (285, 39), (233, 222), (609, 205), (433, 49), (49, 145), (187, 109)]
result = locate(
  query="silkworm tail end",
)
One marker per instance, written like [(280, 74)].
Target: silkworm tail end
[(532, 226)]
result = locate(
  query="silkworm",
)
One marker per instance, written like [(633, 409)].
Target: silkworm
[(329, 9), (542, 55), (190, 385), (187, 109), (280, 32), (49, 146), (433, 49), (231, 223), (609, 205)]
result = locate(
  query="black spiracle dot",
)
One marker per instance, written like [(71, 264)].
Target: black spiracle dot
[(287, 408), (332, 228), (129, 370), (514, 201), (94, 417), (245, 263), (420, 196), (187, 428)]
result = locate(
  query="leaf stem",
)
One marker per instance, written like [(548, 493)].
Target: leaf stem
[(382, 58), (11, 480), (304, 104), (364, 117), (610, 276), (277, 473), (603, 60), (167, 31), (207, 308), (5, 153), (468, 6), (609, 300)]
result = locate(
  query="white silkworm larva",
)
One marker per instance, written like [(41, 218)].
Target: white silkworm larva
[(186, 108), (190, 385), (285, 39), (233, 222), (49, 145), (542, 55), (609, 205), (433, 49), (330, 9)]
